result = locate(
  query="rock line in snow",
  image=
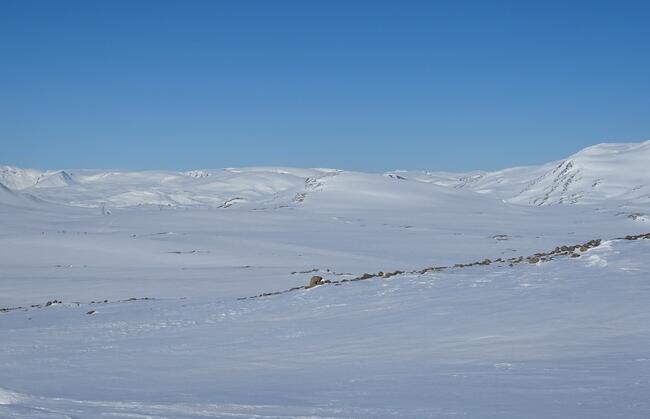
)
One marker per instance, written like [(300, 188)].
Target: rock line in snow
[(566, 251)]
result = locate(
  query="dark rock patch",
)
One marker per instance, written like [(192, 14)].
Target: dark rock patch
[(315, 280)]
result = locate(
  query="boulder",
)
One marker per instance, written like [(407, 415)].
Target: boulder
[(315, 280)]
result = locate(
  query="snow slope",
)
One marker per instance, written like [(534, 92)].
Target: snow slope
[(602, 172), (168, 336), (13, 198), (597, 174), (16, 178), (569, 338)]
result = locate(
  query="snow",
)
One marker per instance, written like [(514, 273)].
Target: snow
[(169, 336), (592, 175)]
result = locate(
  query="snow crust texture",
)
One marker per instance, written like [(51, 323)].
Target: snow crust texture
[(521, 293)]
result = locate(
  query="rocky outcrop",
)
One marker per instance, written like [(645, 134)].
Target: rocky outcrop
[(572, 251)]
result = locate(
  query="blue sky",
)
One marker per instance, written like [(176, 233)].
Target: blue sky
[(365, 85)]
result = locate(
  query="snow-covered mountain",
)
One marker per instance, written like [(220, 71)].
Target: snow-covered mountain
[(602, 173), (16, 178), (605, 171), (521, 293), (54, 180), (205, 188)]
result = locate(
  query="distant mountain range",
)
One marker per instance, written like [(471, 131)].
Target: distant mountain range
[(617, 172)]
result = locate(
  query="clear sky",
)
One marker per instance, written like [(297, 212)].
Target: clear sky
[(366, 85)]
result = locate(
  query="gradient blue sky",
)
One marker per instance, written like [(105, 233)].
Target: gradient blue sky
[(366, 85)]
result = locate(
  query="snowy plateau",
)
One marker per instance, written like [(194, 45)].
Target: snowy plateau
[(520, 293)]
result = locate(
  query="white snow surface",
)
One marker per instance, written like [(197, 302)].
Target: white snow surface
[(599, 173), (567, 338)]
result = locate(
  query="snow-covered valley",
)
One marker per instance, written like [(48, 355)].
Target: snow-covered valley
[(161, 260)]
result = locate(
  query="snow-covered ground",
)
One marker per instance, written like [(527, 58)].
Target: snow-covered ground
[(569, 337)]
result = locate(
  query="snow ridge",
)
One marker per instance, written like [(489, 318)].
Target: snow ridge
[(604, 172)]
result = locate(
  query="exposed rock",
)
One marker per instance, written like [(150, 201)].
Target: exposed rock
[(635, 215), (533, 259), (315, 280), (637, 237), (305, 272)]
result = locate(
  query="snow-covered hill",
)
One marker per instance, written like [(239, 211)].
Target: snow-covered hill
[(120, 292), (260, 187), (604, 173), (16, 178), (11, 198), (597, 174)]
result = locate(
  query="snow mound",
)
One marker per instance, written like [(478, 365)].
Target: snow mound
[(8, 397)]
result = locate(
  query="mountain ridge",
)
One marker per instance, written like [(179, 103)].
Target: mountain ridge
[(607, 171)]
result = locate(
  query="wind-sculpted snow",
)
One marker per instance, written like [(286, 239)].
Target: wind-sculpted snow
[(119, 292), (568, 338)]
